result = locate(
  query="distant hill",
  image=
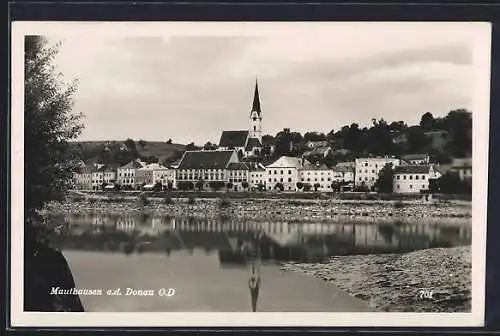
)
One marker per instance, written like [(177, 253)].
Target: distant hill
[(103, 151)]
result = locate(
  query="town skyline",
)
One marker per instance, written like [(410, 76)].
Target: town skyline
[(189, 88)]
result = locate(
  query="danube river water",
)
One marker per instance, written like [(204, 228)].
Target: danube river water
[(187, 264)]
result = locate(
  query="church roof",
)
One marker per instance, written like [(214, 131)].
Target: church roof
[(256, 99), (253, 142), (233, 138), (205, 159)]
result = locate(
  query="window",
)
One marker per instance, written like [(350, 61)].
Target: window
[(411, 186), (289, 179), (281, 179), (289, 172), (366, 164), (254, 128), (269, 179), (411, 177), (416, 177), (302, 179), (281, 171), (423, 177), (404, 177), (398, 186), (275, 172), (373, 170), (397, 177)]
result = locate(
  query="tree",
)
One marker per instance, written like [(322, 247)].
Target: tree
[(279, 186), (244, 184), (49, 163), (427, 121), (199, 185), (307, 187), (416, 140), (450, 183), (170, 186), (336, 186), (300, 185), (229, 185), (261, 187), (142, 143), (316, 186), (157, 187), (169, 141), (384, 182), (191, 147), (49, 124), (216, 185)]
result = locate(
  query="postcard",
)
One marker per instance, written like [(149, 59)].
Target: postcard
[(249, 173)]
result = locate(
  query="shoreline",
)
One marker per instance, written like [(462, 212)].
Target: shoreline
[(266, 209), (396, 282)]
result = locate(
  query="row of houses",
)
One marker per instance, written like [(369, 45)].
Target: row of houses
[(207, 168)]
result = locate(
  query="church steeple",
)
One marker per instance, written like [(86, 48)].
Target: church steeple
[(256, 99), (256, 116)]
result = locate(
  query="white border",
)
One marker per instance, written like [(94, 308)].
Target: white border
[(481, 33)]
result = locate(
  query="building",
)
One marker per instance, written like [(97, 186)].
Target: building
[(318, 153), (416, 159), (166, 176), (413, 178), (343, 173), (257, 176), (368, 169), (206, 166), (316, 174), (82, 179), (109, 173), (247, 142), (463, 166), (238, 173), (285, 171), (126, 173), (97, 178), (315, 144), (148, 175)]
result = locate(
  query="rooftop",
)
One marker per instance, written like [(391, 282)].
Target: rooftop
[(211, 159), (233, 139), (237, 166), (412, 169)]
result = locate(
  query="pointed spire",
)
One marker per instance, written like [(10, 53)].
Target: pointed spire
[(256, 99)]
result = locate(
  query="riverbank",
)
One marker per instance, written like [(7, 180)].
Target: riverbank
[(267, 209), (393, 282)]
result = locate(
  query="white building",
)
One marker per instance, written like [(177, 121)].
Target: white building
[(285, 171), (343, 173), (316, 174), (109, 173), (413, 178), (97, 179), (368, 169), (126, 173), (82, 179), (257, 176), (165, 176), (238, 173)]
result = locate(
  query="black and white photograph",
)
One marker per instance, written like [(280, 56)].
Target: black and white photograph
[(196, 173)]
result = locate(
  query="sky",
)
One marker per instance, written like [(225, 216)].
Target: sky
[(190, 87)]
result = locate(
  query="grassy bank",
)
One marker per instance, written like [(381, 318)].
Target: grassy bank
[(394, 282)]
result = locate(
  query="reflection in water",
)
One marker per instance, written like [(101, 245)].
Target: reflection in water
[(236, 241)]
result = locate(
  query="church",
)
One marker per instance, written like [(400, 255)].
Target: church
[(247, 142)]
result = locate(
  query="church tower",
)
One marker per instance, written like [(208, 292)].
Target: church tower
[(256, 116)]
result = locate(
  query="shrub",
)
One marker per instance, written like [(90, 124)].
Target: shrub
[(191, 200), (168, 200), (399, 205)]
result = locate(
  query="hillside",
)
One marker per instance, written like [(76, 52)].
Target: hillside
[(122, 151)]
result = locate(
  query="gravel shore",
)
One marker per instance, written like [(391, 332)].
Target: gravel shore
[(393, 282)]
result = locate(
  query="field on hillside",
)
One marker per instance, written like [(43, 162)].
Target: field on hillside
[(160, 149)]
